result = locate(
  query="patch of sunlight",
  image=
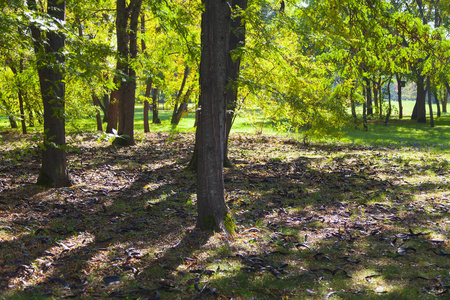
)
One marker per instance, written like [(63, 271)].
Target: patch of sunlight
[(373, 280)]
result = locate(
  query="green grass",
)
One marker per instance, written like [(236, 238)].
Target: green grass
[(398, 133)]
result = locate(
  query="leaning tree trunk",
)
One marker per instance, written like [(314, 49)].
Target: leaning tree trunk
[(179, 101), (210, 135), (54, 170)]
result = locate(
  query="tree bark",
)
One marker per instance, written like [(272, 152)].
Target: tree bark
[(53, 170), (237, 39), (148, 89), (127, 20), (210, 136)]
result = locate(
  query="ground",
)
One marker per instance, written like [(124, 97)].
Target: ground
[(313, 222)]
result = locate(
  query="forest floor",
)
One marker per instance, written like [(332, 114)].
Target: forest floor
[(313, 222)]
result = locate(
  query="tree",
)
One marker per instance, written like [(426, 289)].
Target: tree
[(50, 61), (210, 135), (127, 20), (236, 42)]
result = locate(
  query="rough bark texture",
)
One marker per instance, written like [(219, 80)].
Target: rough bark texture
[(210, 136), (127, 20), (237, 39), (54, 170)]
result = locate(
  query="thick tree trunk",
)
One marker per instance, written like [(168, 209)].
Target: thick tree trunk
[(54, 170), (419, 112), (127, 20), (210, 137), (237, 39), (399, 95)]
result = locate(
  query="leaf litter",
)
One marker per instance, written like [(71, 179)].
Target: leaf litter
[(324, 221)]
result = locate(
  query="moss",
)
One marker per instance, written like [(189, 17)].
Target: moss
[(210, 223), (44, 179), (229, 224)]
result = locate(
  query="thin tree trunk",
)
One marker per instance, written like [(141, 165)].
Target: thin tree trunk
[(369, 99), (179, 101), (388, 114), (148, 89), (98, 117), (365, 109), (155, 117), (399, 95), (430, 106)]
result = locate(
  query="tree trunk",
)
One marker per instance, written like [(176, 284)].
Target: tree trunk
[(369, 99), (182, 109), (388, 114), (155, 117), (113, 112), (436, 99), (353, 107), (430, 106), (98, 117), (127, 20), (445, 99), (54, 170), (380, 97), (399, 95), (104, 105), (236, 40), (210, 136), (148, 89), (419, 112), (177, 110), (375, 94), (364, 109)]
